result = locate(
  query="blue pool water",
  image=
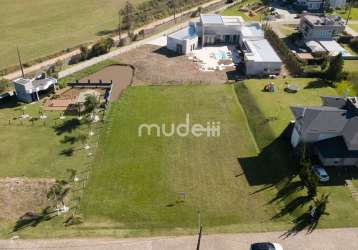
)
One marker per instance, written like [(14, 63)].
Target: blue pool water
[(220, 55)]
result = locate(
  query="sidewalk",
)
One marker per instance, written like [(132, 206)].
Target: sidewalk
[(327, 239)]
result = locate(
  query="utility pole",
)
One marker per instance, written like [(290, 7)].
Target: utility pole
[(200, 231), (349, 11), (120, 23), (22, 69), (175, 11)]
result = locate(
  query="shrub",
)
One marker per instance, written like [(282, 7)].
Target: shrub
[(335, 69), (100, 48), (308, 178), (3, 85), (354, 43)]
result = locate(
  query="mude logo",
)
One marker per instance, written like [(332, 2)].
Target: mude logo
[(211, 129)]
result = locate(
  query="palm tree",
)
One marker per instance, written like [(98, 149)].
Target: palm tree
[(90, 103)]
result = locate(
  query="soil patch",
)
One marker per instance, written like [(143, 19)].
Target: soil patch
[(157, 65), (21, 195), (120, 75)]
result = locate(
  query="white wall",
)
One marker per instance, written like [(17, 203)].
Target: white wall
[(258, 68), (186, 44)]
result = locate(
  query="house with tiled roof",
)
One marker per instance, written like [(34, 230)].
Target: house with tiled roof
[(332, 130)]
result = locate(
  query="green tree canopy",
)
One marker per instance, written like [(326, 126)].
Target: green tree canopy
[(90, 103), (335, 68)]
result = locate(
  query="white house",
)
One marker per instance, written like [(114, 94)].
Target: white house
[(260, 58), (321, 28), (315, 5), (332, 129), (27, 90)]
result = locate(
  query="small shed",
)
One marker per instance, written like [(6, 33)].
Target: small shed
[(27, 90)]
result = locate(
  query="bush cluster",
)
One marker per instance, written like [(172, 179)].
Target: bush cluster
[(100, 48)]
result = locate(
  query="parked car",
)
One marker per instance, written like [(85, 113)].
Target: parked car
[(321, 173), (266, 246)]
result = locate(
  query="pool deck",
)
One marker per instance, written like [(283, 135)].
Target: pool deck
[(215, 58)]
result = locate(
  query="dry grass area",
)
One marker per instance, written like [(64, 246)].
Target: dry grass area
[(21, 195), (160, 66)]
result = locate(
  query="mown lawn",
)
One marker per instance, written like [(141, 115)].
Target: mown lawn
[(344, 13), (135, 181), (42, 27), (38, 149), (288, 29), (354, 27), (235, 11), (269, 115)]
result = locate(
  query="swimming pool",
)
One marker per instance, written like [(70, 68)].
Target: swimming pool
[(220, 55)]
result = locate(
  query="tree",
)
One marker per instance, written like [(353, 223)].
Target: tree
[(3, 85), (120, 25), (335, 68), (308, 178), (320, 206), (128, 17), (84, 53), (90, 103)]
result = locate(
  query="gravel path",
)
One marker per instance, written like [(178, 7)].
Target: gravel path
[(327, 239)]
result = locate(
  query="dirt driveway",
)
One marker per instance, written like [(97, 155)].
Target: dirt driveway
[(120, 75), (156, 65)]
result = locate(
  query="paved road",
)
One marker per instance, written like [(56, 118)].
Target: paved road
[(328, 239)]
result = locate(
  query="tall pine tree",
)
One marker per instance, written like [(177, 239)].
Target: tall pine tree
[(335, 69)]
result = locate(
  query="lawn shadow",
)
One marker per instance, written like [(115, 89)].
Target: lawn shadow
[(166, 52), (274, 164), (67, 126), (105, 32), (31, 219), (68, 152), (9, 103), (302, 222), (288, 189), (69, 139), (316, 84), (291, 206)]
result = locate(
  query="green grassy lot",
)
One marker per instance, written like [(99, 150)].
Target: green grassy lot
[(351, 65), (288, 29), (136, 180), (42, 27), (235, 11), (37, 149), (344, 13), (354, 27), (269, 115)]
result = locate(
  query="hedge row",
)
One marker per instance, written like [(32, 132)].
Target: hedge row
[(294, 65)]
